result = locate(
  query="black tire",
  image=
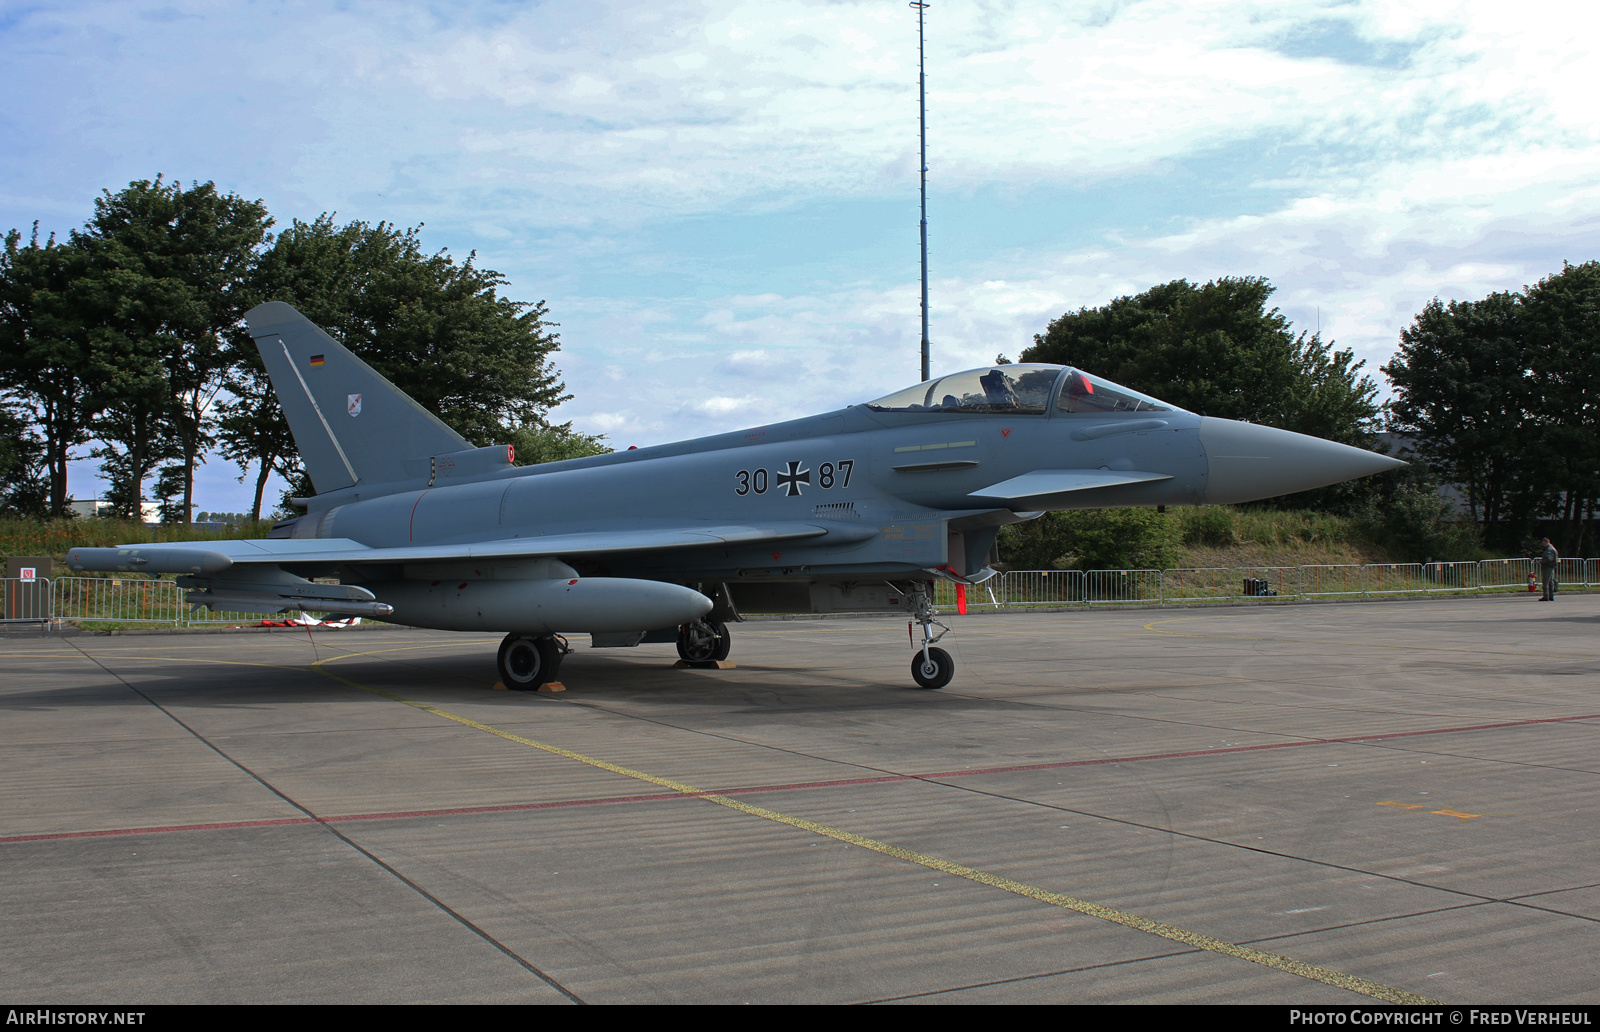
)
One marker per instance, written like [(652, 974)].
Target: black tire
[(526, 663), (704, 651), (944, 669)]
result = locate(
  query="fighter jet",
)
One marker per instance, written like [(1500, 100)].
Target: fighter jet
[(857, 510)]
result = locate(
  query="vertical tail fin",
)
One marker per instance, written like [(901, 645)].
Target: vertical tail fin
[(351, 425)]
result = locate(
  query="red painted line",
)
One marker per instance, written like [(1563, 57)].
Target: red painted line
[(219, 826), (655, 797), (1254, 748)]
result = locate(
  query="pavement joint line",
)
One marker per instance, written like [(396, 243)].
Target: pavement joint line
[(1153, 629), (1277, 962), (312, 818), (936, 777)]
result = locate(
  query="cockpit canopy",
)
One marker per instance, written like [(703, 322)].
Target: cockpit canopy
[(1022, 388)]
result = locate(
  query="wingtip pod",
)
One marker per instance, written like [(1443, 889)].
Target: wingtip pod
[(147, 559), (1246, 462)]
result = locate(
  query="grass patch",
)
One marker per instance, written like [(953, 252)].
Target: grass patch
[(55, 537)]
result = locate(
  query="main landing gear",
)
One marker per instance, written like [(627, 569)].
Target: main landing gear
[(526, 662), (930, 667), (704, 641)]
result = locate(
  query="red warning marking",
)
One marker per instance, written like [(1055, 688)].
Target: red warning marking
[(789, 787), (1005, 431)]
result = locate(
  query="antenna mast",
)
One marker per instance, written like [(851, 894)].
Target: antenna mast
[(922, 162)]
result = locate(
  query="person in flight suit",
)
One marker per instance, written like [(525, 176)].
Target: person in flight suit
[(1548, 562)]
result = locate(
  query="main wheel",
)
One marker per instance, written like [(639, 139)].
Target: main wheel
[(527, 663), (935, 672), (696, 646)]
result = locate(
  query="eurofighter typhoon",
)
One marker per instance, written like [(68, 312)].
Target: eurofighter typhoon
[(858, 510)]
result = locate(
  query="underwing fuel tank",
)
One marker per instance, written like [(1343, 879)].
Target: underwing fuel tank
[(543, 606)]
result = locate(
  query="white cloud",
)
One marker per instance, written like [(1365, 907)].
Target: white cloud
[(1365, 156)]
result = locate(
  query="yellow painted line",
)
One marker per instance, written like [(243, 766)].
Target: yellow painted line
[(1446, 812), (1275, 961)]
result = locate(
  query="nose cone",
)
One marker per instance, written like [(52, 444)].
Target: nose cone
[(1247, 461)]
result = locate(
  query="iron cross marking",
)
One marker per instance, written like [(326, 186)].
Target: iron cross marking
[(791, 479)]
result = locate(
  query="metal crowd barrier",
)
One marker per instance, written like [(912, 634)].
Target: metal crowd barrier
[(24, 601), (1506, 573), (1235, 584), (133, 600), (1316, 581), (142, 600)]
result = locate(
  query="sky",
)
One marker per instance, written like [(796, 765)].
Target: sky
[(718, 200)]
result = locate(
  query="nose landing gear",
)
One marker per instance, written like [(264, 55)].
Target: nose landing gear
[(931, 668)]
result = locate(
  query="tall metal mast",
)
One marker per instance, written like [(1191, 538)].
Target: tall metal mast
[(922, 162)]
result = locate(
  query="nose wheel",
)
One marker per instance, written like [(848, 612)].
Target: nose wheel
[(931, 668), (935, 669), (527, 663)]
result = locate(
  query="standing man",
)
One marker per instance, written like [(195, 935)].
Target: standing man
[(1548, 561)]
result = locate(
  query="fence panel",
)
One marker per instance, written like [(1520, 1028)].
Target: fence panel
[(1450, 576), (1122, 586), (25, 600), (1570, 573), (1041, 588), (1392, 578), (1210, 584), (1267, 581), (1330, 580), (1503, 574), (118, 600)]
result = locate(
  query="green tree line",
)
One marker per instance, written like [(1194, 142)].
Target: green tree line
[(1500, 396), (1503, 397), (129, 334)]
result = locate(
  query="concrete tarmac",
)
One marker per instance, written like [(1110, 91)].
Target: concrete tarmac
[(1333, 803)]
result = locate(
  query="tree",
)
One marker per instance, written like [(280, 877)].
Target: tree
[(1503, 395), (169, 268), (52, 361), (24, 485), (1218, 350), (252, 430), (1561, 320), (438, 330), (1462, 389)]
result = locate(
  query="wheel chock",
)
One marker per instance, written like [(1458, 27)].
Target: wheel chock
[(552, 686), (709, 664)]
